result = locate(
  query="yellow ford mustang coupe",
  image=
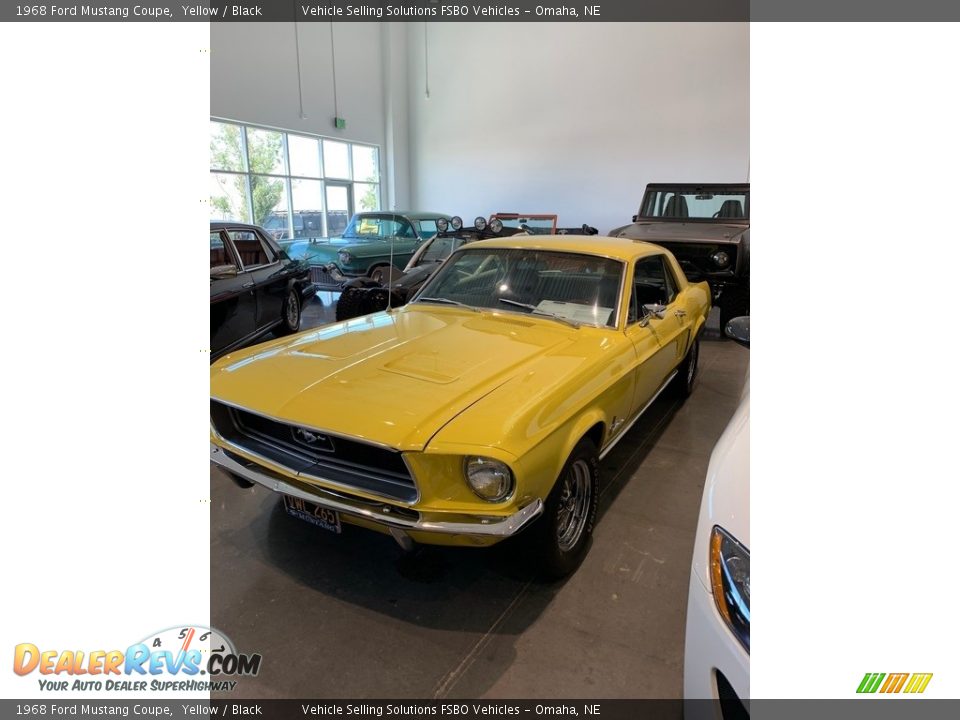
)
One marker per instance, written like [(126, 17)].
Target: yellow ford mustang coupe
[(480, 409)]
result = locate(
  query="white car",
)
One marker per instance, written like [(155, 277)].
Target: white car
[(717, 648)]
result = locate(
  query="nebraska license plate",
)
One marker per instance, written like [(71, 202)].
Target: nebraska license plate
[(312, 513)]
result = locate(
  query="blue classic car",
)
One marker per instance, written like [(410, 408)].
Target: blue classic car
[(372, 244)]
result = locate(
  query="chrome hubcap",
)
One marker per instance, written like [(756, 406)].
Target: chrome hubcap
[(574, 505), (293, 311), (692, 369)]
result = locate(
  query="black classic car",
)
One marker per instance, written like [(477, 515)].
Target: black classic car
[(362, 296), (707, 228), (254, 287)]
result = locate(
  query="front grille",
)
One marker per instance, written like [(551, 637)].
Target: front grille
[(696, 259), (315, 455), (319, 275)]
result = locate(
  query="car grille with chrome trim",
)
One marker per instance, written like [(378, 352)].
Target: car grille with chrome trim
[(314, 455), (696, 259), (319, 275)]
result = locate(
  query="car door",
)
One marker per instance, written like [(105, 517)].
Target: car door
[(264, 271), (404, 238), (660, 330), (232, 305)]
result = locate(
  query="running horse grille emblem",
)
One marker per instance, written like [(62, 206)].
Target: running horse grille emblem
[(312, 439)]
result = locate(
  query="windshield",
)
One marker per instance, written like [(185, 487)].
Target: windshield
[(572, 287), (439, 249), (368, 229), (533, 224), (697, 204)]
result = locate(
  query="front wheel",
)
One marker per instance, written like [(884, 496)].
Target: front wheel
[(289, 314), (561, 537)]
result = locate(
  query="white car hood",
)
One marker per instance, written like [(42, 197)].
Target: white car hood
[(726, 492)]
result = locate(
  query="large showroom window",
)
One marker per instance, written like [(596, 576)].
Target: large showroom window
[(292, 184)]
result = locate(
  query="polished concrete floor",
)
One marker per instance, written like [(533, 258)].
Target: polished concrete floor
[(352, 616)]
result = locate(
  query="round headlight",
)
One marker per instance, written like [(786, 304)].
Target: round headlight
[(344, 257), (480, 223), (496, 225), (456, 222), (721, 259), (490, 479), (442, 224)]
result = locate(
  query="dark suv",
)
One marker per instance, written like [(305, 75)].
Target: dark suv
[(707, 228)]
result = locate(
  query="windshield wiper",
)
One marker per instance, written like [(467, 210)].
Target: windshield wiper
[(534, 310), (447, 301)]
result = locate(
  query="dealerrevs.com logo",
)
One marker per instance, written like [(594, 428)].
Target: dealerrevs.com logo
[(911, 683), (182, 659)]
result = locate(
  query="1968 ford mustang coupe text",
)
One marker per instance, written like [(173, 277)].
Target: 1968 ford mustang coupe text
[(480, 409)]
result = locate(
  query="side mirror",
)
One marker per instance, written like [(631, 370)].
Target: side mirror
[(634, 218), (652, 310), (738, 330), (656, 310)]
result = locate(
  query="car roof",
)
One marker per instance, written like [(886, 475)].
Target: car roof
[(625, 249), (729, 187), (222, 224), (410, 214)]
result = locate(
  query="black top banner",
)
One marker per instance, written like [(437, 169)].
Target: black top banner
[(489, 11)]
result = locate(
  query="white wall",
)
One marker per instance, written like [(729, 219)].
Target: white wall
[(253, 78), (574, 118)]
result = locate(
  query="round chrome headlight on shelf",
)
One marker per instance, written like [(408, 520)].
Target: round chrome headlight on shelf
[(442, 224), (480, 223), (456, 222), (496, 225)]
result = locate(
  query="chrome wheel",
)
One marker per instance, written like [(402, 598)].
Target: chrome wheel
[(692, 365), (293, 311), (575, 496)]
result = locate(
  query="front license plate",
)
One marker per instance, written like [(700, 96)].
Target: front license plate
[(312, 513)]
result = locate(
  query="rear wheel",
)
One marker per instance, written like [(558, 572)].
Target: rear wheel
[(562, 535), (687, 372), (289, 314)]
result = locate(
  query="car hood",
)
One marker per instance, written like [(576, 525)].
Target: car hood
[(726, 492), (391, 378), (667, 232), (415, 277)]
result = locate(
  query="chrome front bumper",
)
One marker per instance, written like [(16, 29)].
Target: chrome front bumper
[(381, 513)]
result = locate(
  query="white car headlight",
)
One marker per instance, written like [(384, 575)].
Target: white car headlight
[(490, 479), (730, 580), (344, 257)]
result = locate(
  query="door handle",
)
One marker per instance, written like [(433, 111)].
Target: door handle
[(247, 285), (681, 313)]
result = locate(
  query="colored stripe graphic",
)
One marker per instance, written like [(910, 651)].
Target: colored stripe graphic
[(870, 682), (918, 683), (894, 682)]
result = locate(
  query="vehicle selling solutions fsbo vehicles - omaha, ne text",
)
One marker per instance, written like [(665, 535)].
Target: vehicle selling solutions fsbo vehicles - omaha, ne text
[(480, 408)]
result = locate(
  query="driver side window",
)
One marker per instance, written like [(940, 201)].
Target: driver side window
[(653, 284)]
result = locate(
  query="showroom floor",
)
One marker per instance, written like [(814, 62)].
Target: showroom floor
[(350, 616)]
